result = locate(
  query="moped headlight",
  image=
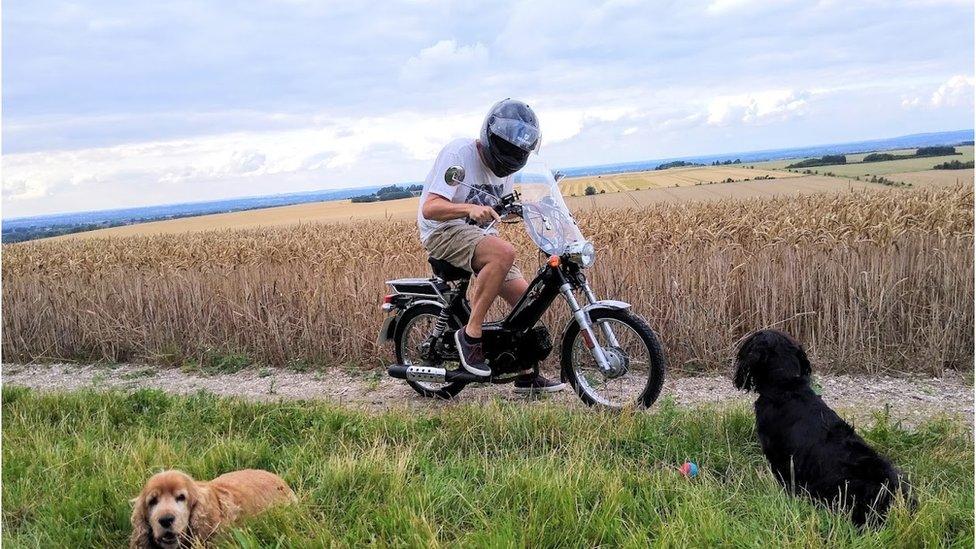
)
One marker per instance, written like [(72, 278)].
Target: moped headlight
[(583, 254)]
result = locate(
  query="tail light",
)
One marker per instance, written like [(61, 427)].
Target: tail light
[(387, 303)]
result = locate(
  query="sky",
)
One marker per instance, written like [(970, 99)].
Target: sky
[(110, 104)]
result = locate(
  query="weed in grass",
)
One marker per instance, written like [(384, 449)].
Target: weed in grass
[(224, 363), (139, 373), (98, 379), (373, 381)]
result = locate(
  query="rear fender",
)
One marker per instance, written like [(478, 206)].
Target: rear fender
[(390, 323)]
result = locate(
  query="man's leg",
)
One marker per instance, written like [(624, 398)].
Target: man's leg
[(513, 289), (492, 260)]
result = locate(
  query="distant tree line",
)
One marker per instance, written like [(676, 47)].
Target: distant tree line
[(826, 160), (727, 162), (23, 234), (391, 192), (921, 152), (935, 151), (676, 164), (955, 165)]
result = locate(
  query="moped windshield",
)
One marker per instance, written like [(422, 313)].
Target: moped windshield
[(546, 217)]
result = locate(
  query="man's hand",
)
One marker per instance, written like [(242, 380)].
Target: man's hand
[(482, 214)]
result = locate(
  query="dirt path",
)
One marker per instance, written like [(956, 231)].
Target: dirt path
[(908, 399)]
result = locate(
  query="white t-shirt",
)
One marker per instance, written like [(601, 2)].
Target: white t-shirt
[(464, 153)]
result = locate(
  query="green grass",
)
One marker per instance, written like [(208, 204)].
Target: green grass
[(500, 475)]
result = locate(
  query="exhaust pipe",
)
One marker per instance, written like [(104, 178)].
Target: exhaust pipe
[(433, 375), (426, 373)]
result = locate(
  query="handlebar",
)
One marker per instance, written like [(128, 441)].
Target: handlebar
[(509, 205)]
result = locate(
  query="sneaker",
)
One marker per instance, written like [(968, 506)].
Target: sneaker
[(533, 384), (472, 355)]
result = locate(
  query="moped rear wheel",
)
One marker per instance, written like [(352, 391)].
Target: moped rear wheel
[(412, 334), (638, 358)]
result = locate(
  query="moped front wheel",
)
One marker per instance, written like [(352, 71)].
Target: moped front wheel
[(410, 338), (636, 356)]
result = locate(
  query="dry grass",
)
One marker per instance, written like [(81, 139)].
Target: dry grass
[(869, 280), (673, 177)]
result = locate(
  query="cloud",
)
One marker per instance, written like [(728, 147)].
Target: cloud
[(23, 188), (722, 6), (444, 56), (560, 125), (326, 154), (757, 107), (956, 91)]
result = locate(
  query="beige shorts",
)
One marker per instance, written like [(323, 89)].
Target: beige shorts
[(455, 243)]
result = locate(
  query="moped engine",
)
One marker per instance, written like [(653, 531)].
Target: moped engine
[(535, 345)]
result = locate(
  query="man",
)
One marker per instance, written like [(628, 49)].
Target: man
[(509, 134)]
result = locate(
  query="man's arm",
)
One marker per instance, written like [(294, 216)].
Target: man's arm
[(438, 208)]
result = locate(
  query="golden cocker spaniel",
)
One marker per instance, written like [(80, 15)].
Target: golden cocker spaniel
[(173, 510)]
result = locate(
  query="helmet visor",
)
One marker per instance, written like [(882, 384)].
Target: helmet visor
[(522, 135)]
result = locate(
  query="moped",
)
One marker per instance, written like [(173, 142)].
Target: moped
[(608, 354)]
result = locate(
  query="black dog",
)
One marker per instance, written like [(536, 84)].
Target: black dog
[(809, 447)]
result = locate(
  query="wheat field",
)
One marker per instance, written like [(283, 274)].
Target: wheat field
[(935, 178), (869, 281), (672, 177)]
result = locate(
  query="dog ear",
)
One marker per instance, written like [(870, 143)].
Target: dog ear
[(805, 369), (744, 378), (204, 512), (141, 537)]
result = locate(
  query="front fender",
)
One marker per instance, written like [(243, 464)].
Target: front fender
[(606, 304), (602, 304)]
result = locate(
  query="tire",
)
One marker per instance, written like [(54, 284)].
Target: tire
[(640, 331), (401, 348)]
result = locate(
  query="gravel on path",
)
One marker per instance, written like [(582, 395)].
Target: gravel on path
[(909, 400)]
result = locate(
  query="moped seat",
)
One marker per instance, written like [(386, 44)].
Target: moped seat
[(446, 271)]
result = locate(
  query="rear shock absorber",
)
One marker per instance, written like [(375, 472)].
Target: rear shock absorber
[(441, 325)]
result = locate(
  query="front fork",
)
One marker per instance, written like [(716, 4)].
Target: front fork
[(586, 327)]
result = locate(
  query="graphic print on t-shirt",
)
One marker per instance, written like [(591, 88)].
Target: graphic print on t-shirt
[(480, 192)]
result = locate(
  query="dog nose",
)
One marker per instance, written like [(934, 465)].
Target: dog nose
[(166, 520)]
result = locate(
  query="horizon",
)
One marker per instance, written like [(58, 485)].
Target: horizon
[(117, 107), (723, 155)]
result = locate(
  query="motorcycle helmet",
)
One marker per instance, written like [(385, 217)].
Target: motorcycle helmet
[(510, 133)]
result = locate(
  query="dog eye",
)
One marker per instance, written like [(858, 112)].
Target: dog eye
[(181, 497), (152, 501)]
